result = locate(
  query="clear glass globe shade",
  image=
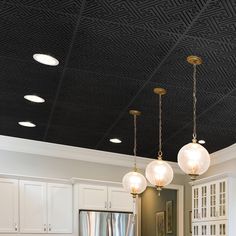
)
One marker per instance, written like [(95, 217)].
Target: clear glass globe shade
[(193, 159), (159, 173), (134, 183)]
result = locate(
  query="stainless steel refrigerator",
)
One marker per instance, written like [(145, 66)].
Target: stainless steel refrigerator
[(93, 223)]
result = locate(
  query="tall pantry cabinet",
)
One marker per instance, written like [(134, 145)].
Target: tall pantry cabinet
[(213, 207)]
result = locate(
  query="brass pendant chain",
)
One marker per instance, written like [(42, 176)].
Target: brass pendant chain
[(194, 102), (160, 129), (135, 142)]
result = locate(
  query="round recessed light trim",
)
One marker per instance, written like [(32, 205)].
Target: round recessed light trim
[(202, 141), (27, 124), (115, 140), (45, 59), (34, 98)]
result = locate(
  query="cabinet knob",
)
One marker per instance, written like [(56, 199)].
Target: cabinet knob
[(49, 227), (45, 228), (109, 204), (16, 227)]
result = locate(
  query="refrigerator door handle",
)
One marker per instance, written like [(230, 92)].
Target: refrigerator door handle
[(109, 226)]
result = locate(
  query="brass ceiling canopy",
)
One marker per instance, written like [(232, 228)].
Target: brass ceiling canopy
[(160, 91), (194, 60), (134, 112)]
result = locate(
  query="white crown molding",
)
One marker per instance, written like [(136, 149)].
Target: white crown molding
[(13, 144), (21, 145), (223, 155)]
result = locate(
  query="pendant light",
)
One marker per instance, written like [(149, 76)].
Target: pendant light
[(134, 182), (158, 172), (193, 158)]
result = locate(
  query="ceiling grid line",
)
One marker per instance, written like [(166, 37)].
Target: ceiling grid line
[(64, 69), (152, 74)]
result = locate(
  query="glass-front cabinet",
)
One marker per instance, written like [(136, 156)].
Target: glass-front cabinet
[(209, 201), (213, 206)]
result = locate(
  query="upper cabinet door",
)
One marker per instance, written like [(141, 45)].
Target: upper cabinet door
[(222, 199), (196, 203), (33, 207), (119, 200), (8, 205), (59, 208), (92, 197)]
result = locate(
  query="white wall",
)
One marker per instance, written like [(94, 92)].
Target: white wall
[(16, 163)]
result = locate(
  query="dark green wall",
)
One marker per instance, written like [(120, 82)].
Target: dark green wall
[(151, 204)]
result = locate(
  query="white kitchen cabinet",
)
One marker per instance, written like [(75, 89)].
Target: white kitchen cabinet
[(92, 197), (8, 205), (45, 207), (33, 207), (59, 208), (214, 211), (103, 197), (119, 200)]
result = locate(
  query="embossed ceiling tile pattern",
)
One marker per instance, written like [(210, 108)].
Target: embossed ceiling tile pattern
[(223, 114), (9, 127), (68, 135), (170, 16), (97, 90), (216, 75), (91, 101), (63, 6), (27, 31), (20, 77), (218, 22), (109, 48), (146, 135)]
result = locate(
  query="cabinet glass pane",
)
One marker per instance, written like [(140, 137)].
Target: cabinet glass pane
[(195, 230), (222, 199), (213, 200), (204, 202), (212, 230), (222, 229), (204, 230), (195, 203)]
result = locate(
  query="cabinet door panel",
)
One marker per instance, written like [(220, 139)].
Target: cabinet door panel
[(119, 200), (33, 208), (92, 197), (8, 205), (59, 208)]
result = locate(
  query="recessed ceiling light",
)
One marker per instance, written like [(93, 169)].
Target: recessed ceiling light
[(34, 98), (202, 141), (45, 59), (115, 140), (27, 124)]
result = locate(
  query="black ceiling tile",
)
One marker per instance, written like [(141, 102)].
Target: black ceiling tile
[(19, 78), (82, 117), (218, 22), (109, 48), (124, 131), (172, 16), (12, 114), (222, 115), (62, 6), (27, 31), (69, 135), (97, 90), (215, 75)]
